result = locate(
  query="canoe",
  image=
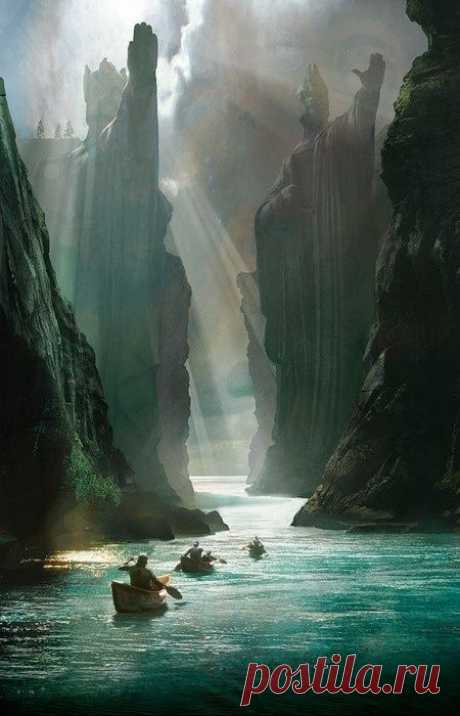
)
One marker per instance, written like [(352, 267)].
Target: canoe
[(256, 552), (127, 599), (192, 567)]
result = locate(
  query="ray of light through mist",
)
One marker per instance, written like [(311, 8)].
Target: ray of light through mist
[(246, 55)]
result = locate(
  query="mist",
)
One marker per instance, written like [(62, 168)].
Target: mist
[(45, 45), (228, 74)]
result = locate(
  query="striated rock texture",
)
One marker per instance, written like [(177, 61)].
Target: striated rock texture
[(47, 166), (399, 458), (261, 372), (53, 416), (315, 263)]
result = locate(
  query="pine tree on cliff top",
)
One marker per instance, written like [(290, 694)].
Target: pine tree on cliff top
[(69, 129), (41, 130)]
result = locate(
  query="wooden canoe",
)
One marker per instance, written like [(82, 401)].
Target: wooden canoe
[(256, 552), (128, 599), (192, 567)]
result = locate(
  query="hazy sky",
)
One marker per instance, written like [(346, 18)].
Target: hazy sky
[(44, 44)]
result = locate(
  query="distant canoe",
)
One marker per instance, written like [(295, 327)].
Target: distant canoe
[(193, 567), (127, 599), (257, 552)]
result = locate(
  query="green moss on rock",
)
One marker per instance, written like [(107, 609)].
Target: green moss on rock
[(87, 483)]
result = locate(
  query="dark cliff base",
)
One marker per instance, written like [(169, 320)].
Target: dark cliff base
[(399, 459)]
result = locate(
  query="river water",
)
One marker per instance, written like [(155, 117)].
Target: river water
[(388, 598)]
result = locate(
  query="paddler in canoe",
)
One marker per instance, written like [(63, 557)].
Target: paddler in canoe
[(195, 560), (143, 578), (255, 548)]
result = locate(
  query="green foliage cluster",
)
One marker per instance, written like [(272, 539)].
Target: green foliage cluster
[(88, 486), (404, 98)]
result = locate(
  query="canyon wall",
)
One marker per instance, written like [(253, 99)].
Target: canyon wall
[(316, 251), (55, 438), (62, 481), (108, 220), (261, 372), (398, 460)]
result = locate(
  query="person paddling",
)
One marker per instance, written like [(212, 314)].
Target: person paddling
[(195, 553), (255, 547), (140, 576), (209, 557)]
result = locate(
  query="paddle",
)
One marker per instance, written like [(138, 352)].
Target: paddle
[(173, 592)]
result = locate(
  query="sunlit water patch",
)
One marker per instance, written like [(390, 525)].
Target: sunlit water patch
[(388, 598)]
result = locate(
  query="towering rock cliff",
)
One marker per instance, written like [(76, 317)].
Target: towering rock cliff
[(399, 458), (131, 297), (315, 257), (60, 475), (55, 438), (121, 262), (173, 383)]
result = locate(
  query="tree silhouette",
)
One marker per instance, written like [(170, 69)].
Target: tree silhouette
[(68, 129), (58, 131), (40, 130)]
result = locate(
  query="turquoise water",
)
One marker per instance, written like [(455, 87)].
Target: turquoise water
[(388, 598)]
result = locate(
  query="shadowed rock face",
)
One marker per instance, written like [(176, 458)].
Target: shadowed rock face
[(173, 378), (261, 372), (51, 399), (399, 458), (316, 250)]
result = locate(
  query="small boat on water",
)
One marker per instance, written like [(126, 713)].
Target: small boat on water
[(128, 599), (193, 567), (257, 552)]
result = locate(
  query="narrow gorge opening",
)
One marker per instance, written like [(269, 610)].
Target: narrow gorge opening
[(151, 220), (222, 411)]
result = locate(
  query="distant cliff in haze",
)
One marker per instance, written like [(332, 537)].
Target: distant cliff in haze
[(108, 220), (316, 248)]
